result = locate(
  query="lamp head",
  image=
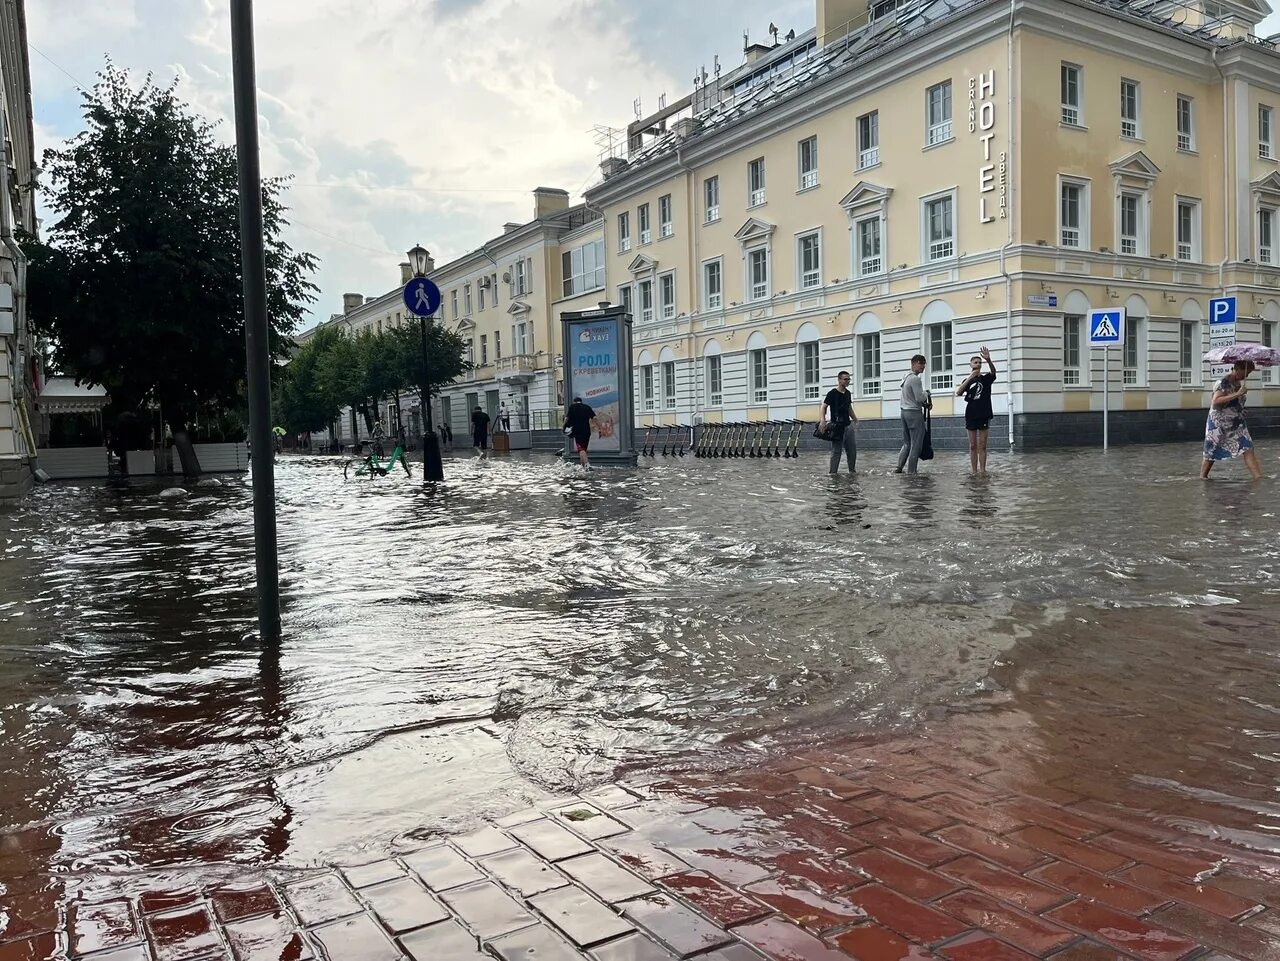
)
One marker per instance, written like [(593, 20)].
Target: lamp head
[(419, 258)]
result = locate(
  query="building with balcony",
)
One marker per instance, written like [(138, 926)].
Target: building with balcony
[(931, 176)]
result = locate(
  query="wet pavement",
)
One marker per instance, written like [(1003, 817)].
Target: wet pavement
[(1020, 713)]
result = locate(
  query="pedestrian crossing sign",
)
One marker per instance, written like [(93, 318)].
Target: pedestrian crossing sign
[(1106, 327)]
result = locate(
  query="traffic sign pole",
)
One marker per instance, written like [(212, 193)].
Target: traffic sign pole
[(1106, 330), (422, 297), (1106, 396)]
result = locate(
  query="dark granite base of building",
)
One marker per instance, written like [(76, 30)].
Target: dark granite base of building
[(16, 480)]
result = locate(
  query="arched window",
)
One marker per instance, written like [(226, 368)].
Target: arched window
[(713, 374), (936, 343), (648, 396), (667, 376), (1075, 340), (1134, 355), (757, 369), (1191, 344)]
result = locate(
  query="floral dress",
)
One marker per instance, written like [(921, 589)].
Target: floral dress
[(1226, 434)]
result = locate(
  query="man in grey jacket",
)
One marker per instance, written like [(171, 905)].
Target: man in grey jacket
[(914, 401)]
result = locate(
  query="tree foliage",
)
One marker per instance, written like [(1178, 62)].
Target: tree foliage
[(138, 286)]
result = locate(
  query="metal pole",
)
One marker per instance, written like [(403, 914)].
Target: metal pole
[(1106, 393), (432, 463), (257, 342)]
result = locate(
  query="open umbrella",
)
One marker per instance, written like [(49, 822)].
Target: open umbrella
[(278, 431), (1260, 354)]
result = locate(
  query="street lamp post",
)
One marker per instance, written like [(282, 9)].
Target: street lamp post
[(432, 463)]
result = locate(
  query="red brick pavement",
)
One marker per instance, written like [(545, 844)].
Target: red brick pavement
[(898, 851)]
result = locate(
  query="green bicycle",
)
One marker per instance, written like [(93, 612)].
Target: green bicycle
[(370, 467)]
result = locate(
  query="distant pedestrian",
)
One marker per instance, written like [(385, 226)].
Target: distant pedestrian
[(976, 389), (447, 432), (505, 417), (915, 400), (838, 418), (577, 424), (1226, 434), (480, 431)]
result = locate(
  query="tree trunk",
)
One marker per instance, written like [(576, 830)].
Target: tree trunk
[(186, 451)]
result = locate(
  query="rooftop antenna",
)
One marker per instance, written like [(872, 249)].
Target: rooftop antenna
[(791, 35), (774, 31), (746, 40), (716, 63), (662, 102), (638, 110)]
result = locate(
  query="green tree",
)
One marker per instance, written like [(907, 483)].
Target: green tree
[(303, 401), (138, 285)]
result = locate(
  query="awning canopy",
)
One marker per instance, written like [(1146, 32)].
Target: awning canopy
[(62, 395)]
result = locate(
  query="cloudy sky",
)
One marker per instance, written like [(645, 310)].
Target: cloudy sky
[(407, 121)]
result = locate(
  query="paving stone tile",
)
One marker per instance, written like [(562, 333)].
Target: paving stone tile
[(48, 945), (1065, 849), (1060, 821), (605, 879), (441, 867), (908, 844), (1148, 851), (29, 915), (1260, 890), (533, 944), (269, 937), (136, 952), (551, 840), (872, 942), (487, 840), (1109, 891), (805, 906), (583, 919), (904, 877), (356, 939), (1090, 951), (1006, 886), (1001, 850), (1268, 921), (717, 901), (403, 904), (1032, 934), (902, 786), (660, 807), (805, 812), (610, 796), (682, 930), (153, 902), (783, 941), (811, 833), (440, 941), (182, 933), (826, 876), (1238, 940), (96, 927), (839, 786), (231, 902), (910, 919), (644, 857), (914, 817), (519, 817), (1215, 901), (985, 816), (982, 947), (1122, 932), (635, 947), (364, 875), (589, 822), (320, 899), (523, 872), (487, 909), (734, 952)]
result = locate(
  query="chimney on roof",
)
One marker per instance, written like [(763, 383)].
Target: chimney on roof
[(548, 201), (507, 228), (352, 302), (686, 127), (406, 272), (837, 18), (612, 165)]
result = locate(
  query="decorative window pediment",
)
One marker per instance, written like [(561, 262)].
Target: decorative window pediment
[(1267, 190), (754, 231), (466, 326), (1135, 170), (642, 264), (865, 196), (518, 307)]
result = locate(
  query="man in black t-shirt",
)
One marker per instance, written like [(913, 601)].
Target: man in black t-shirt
[(838, 418), (577, 423), (976, 389), (480, 431)]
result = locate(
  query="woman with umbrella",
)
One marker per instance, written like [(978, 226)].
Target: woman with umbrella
[(1226, 434)]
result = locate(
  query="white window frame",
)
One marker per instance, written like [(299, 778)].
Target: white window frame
[(644, 292), (1187, 250), (1189, 362), (668, 373), (758, 375), (666, 223), (484, 350), (1081, 229), (807, 161), (624, 231), (868, 266), (626, 297), (1071, 90), (667, 285), (1073, 327), (1266, 245), (809, 279), (711, 199), (927, 244), (647, 399), (1270, 338), (1134, 129), (810, 386), (713, 300), (755, 291), (938, 129), (1266, 132), (941, 373), (757, 194), (453, 296), (868, 136), (466, 298), (1142, 237), (715, 380), (1134, 375), (869, 386), (644, 224), (1186, 138)]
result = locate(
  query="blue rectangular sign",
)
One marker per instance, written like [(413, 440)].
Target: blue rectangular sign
[(1222, 310), (1106, 327)]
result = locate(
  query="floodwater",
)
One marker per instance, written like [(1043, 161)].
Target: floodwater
[(530, 630)]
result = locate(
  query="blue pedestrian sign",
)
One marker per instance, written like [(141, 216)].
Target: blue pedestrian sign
[(1106, 327), (422, 297), (1222, 310)]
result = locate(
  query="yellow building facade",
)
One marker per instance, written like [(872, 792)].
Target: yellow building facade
[(930, 177)]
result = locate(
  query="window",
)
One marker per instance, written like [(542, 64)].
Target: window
[(466, 297), (493, 288), (758, 361), (583, 268), (521, 340), (624, 231), (667, 295), (1071, 95), (1266, 235), (869, 258), (624, 297), (646, 386), (869, 365), (1188, 226), (755, 182), (810, 257), (1188, 359), (1130, 124), (454, 298), (758, 274), (713, 284), (1266, 137), (484, 350), (1132, 368), (715, 382), (642, 223), (1186, 124), (1073, 213), (1270, 338), (481, 285), (522, 280), (808, 163), (869, 140), (469, 351), (938, 113), (1131, 223), (646, 301), (810, 370), (665, 226), (711, 199), (939, 336), (1071, 325), (939, 228), (497, 345), (668, 385)]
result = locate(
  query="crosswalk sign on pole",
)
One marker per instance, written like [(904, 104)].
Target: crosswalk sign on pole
[(1106, 329)]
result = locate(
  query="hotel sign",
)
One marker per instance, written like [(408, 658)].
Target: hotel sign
[(993, 175)]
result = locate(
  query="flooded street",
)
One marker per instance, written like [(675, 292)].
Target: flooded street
[(530, 631)]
